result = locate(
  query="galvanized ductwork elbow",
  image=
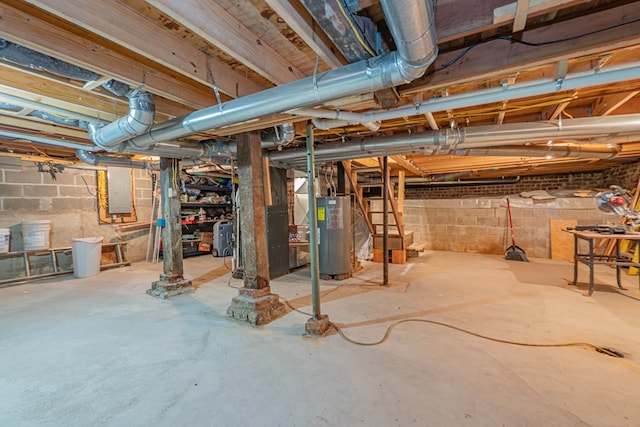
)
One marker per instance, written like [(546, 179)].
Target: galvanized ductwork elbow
[(413, 30), (136, 122), (281, 135)]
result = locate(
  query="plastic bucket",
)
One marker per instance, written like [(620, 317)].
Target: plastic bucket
[(87, 254), (35, 234), (5, 233)]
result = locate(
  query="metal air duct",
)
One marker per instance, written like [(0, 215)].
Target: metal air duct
[(609, 75), (138, 121), (418, 50), (455, 141), (94, 159)]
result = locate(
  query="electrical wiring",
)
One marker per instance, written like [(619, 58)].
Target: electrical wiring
[(356, 30), (86, 184), (567, 39), (387, 333), (526, 43)]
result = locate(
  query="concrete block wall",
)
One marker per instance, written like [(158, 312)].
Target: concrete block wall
[(481, 225), (69, 201)]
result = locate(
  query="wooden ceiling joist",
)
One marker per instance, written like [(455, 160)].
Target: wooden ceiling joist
[(36, 34), (497, 58), (107, 18), (221, 29)]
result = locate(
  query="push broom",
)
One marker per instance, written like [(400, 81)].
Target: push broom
[(514, 252)]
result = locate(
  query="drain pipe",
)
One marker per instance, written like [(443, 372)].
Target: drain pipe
[(138, 121), (94, 159), (411, 23)]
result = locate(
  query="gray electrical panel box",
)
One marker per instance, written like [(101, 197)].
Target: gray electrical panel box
[(119, 190)]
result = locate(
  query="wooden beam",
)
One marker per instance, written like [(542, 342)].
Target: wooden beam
[(404, 163), (218, 27), (96, 83), (401, 192), (477, 16), (40, 127), (392, 201), (607, 105), (38, 35), (298, 24), (506, 13), (266, 177), (496, 58), (109, 107), (520, 18), (353, 180), (107, 18)]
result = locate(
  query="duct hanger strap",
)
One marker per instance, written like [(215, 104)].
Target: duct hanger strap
[(212, 80)]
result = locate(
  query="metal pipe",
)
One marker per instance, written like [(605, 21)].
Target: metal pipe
[(137, 121), (416, 53), (416, 180), (385, 221), (313, 226), (285, 136), (27, 103), (94, 159), (609, 75), (451, 141), (48, 141)]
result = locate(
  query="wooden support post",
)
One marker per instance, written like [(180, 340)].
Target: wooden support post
[(254, 303), (171, 281)]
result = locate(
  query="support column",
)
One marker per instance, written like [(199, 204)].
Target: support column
[(171, 281), (318, 324), (254, 303)]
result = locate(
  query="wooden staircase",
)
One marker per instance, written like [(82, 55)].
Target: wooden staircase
[(373, 211)]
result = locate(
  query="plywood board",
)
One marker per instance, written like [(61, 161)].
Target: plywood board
[(561, 241)]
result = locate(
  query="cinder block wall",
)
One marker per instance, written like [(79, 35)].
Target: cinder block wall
[(69, 202), (474, 218), (481, 225)]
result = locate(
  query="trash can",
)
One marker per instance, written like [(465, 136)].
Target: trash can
[(87, 254)]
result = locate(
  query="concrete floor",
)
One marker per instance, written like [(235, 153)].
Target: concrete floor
[(99, 352)]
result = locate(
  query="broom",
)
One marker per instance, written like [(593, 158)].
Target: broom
[(514, 252)]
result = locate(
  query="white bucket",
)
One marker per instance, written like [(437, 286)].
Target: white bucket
[(87, 254), (35, 234), (5, 233)]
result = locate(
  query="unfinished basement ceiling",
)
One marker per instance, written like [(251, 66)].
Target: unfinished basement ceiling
[(191, 53)]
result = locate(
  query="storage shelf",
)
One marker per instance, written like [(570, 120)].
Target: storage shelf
[(209, 188), (205, 205)]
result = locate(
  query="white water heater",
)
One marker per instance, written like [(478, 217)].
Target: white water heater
[(334, 235)]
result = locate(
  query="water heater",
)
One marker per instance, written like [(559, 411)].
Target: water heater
[(334, 235)]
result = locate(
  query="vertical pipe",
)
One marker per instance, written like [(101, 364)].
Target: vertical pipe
[(385, 220), (313, 225)]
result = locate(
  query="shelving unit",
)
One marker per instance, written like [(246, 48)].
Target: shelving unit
[(197, 236)]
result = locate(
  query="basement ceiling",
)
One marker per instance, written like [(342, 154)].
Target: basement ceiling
[(192, 54)]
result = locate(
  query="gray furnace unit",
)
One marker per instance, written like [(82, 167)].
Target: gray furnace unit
[(334, 235)]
